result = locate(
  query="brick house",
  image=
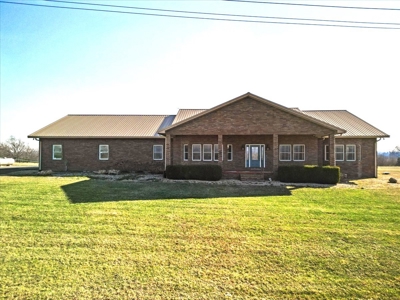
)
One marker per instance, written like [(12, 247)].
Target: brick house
[(247, 135)]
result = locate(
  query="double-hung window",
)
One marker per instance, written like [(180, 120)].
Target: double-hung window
[(216, 152), (158, 152), (103, 152), (299, 152), (339, 152), (350, 152), (230, 152), (327, 153), (57, 152), (196, 152), (207, 152), (186, 152), (285, 152)]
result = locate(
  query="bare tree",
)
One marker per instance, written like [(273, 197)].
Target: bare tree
[(31, 154), (17, 147), (5, 150), (391, 158)]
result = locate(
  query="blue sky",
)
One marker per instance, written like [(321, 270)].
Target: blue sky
[(56, 62)]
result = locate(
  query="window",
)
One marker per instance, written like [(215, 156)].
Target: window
[(299, 152), (158, 152), (186, 152), (285, 152), (207, 152), (339, 152), (230, 152), (351, 152), (57, 152), (103, 152), (196, 152), (216, 153), (327, 153)]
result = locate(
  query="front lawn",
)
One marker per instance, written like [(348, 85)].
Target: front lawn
[(75, 238)]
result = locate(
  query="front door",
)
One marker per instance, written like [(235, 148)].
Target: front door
[(255, 156)]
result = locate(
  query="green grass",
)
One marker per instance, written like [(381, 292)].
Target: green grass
[(74, 238)]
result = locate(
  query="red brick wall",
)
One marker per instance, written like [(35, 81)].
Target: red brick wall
[(364, 166), (83, 155)]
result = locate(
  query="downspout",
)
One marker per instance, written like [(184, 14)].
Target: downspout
[(376, 155), (40, 153), (165, 156)]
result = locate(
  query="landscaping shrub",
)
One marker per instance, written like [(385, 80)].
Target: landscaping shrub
[(309, 174), (198, 172)]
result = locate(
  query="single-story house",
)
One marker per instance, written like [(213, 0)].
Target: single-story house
[(246, 135)]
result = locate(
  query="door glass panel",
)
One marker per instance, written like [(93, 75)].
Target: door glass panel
[(254, 152)]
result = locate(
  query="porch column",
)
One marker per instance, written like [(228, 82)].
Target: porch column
[(220, 150), (167, 150), (275, 153), (332, 160)]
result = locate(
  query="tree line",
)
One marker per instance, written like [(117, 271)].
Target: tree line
[(391, 158), (19, 150)]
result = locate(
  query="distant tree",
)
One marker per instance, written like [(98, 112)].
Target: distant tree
[(17, 149), (5, 150), (390, 158), (398, 162)]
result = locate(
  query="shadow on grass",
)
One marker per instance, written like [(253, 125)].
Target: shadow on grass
[(88, 191)]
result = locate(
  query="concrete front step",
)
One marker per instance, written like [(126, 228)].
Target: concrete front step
[(251, 176)]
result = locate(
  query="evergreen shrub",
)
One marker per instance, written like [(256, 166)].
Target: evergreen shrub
[(309, 174), (197, 172)]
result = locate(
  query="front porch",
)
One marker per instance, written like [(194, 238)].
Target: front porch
[(244, 157)]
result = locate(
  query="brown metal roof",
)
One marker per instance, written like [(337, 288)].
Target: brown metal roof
[(95, 126), (145, 126), (354, 126), (184, 114)]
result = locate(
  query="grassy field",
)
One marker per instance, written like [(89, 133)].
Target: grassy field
[(79, 238)]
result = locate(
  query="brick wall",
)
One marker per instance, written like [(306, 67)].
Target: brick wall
[(364, 166), (83, 155)]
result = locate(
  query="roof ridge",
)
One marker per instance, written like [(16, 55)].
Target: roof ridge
[(193, 108), (119, 115), (325, 110)]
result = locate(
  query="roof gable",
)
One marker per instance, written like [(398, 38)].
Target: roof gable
[(196, 114)]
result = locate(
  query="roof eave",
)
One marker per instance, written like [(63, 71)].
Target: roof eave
[(96, 137), (364, 136)]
